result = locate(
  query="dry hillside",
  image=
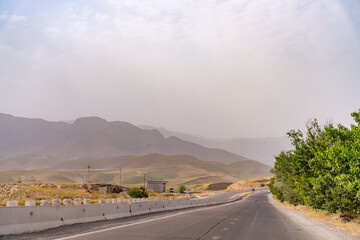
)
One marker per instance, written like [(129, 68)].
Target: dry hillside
[(174, 168)]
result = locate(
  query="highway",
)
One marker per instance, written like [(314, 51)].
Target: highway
[(256, 217)]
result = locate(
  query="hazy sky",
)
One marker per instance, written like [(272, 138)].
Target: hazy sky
[(245, 68)]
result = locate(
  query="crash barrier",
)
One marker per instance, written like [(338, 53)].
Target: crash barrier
[(16, 219)]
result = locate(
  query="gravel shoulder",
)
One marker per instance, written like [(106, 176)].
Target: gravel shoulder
[(320, 230)]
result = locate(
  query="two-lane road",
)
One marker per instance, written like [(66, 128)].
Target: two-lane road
[(256, 217)]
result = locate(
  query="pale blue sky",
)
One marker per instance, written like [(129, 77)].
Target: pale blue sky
[(240, 68)]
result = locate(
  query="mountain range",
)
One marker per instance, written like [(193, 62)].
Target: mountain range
[(94, 137), (61, 151), (261, 149)]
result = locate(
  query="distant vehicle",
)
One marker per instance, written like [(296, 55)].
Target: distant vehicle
[(187, 191), (171, 189), (253, 189)]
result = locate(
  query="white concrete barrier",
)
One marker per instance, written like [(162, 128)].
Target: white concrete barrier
[(139, 208), (45, 202), (21, 219), (156, 206), (18, 219), (169, 205), (116, 210), (30, 203), (56, 202), (77, 201), (80, 214), (67, 202), (12, 203)]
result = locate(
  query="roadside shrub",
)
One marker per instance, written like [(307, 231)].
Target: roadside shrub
[(138, 192), (182, 188)]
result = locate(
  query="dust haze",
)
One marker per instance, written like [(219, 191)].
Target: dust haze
[(220, 69)]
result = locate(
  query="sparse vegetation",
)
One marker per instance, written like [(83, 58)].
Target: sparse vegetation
[(249, 183)]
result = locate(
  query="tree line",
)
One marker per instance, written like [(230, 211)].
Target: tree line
[(323, 169)]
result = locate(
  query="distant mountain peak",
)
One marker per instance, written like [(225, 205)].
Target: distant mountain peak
[(90, 121)]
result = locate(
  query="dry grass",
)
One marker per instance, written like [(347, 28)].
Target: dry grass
[(38, 192), (331, 219), (253, 182), (50, 191)]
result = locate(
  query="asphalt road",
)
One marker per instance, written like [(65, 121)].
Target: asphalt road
[(252, 218)]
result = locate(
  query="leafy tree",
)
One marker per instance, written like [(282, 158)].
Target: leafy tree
[(323, 170)]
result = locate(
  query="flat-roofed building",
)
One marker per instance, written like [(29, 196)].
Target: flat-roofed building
[(158, 186)]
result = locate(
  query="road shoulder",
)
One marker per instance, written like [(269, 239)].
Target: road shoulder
[(320, 229)]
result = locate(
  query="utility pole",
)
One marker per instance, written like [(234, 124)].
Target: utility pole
[(19, 182), (144, 180), (120, 177), (89, 173)]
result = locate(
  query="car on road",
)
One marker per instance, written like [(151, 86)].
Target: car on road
[(252, 189), (187, 191), (171, 189)]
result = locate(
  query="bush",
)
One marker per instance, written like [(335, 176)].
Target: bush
[(262, 185), (138, 192), (182, 188)]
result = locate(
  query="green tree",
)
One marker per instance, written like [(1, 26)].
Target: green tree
[(182, 188), (323, 170)]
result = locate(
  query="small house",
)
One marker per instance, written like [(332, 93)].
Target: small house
[(158, 186), (109, 188)]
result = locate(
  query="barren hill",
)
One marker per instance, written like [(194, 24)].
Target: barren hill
[(93, 137), (170, 167)]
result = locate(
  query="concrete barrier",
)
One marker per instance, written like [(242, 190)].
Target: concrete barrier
[(30, 203), (16, 219), (44, 202), (116, 210), (12, 203), (169, 205), (20, 219), (187, 203), (67, 202), (156, 206), (56, 202), (77, 201), (139, 208), (81, 214)]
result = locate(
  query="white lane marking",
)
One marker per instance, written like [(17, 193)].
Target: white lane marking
[(145, 221), (225, 229), (231, 222), (236, 219), (215, 237)]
